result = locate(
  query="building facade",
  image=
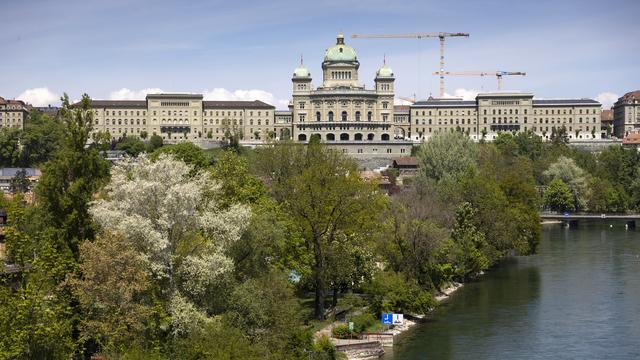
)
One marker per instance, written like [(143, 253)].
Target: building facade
[(13, 113), (342, 109), (626, 114), (184, 117), (491, 113)]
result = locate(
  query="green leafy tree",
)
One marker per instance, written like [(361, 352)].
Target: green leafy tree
[(574, 177), (470, 242), (558, 196), (71, 178), (605, 197), (20, 183), (238, 185), (113, 293), (144, 134), (559, 135), (186, 152), (35, 322), (447, 157), (325, 196), (131, 145), (41, 137), (155, 142), (9, 146)]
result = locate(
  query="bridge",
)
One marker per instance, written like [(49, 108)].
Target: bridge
[(572, 219)]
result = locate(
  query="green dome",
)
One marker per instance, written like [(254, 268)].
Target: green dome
[(340, 51), (384, 71), (301, 71)]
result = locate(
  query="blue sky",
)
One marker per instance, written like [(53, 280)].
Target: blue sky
[(248, 49)]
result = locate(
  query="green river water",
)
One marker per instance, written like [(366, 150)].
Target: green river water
[(578, 298)]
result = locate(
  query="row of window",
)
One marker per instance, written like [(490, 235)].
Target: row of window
[(341, 75), (176, 112)]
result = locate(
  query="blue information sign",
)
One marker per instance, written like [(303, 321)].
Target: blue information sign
[(387, 319)]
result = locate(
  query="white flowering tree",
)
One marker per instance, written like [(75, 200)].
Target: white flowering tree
[(171, 218)]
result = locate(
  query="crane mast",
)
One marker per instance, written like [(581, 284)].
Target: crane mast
[(440, 35)]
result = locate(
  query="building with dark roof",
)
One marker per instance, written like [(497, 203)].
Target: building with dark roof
[(7, 175), (492, 113), (13, 113), (626, 114), (184, 117)]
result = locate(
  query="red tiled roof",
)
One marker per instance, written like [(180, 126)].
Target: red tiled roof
[(632, 95), (631, 139)]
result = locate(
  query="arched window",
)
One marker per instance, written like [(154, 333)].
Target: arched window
[(318, 116), (330, 116), (344, 116), (357, 137), (344, 137), (331, 137), (369, 116), (302, 137), (385, 137), (370, 137), (357, 115)]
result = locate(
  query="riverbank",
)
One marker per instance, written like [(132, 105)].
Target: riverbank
[(520, 307), (443, 296), (550, 222), (364, 349)]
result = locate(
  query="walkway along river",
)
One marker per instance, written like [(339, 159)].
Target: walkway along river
[(578, 298)]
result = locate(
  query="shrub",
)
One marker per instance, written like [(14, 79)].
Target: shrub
[(341, 331)]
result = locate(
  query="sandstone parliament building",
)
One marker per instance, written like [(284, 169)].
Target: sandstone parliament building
[(343, 112)]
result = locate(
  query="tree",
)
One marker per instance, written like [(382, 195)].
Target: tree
[(558, 196), (20, 183), (144, 134), (185, 151), (112, 292), (237, 185), (419, 232), (155, 142), (604, 197), (41, 137), (559, 135), (102, 140), (447, 157), (326, 198), (265, 308), (573, 176), (470, 258), (71, 178), (9, 146), (35, 323), (131, 145), (169, 215), (232, 135)]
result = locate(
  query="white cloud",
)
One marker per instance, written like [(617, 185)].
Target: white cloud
[(41, 96), (607, 99), (465, 94), (244, 95), (127, 94)]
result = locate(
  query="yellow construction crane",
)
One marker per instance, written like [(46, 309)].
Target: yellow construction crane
[(439, 35), (497, 74)]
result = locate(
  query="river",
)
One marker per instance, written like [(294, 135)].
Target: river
[(578, 298)]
